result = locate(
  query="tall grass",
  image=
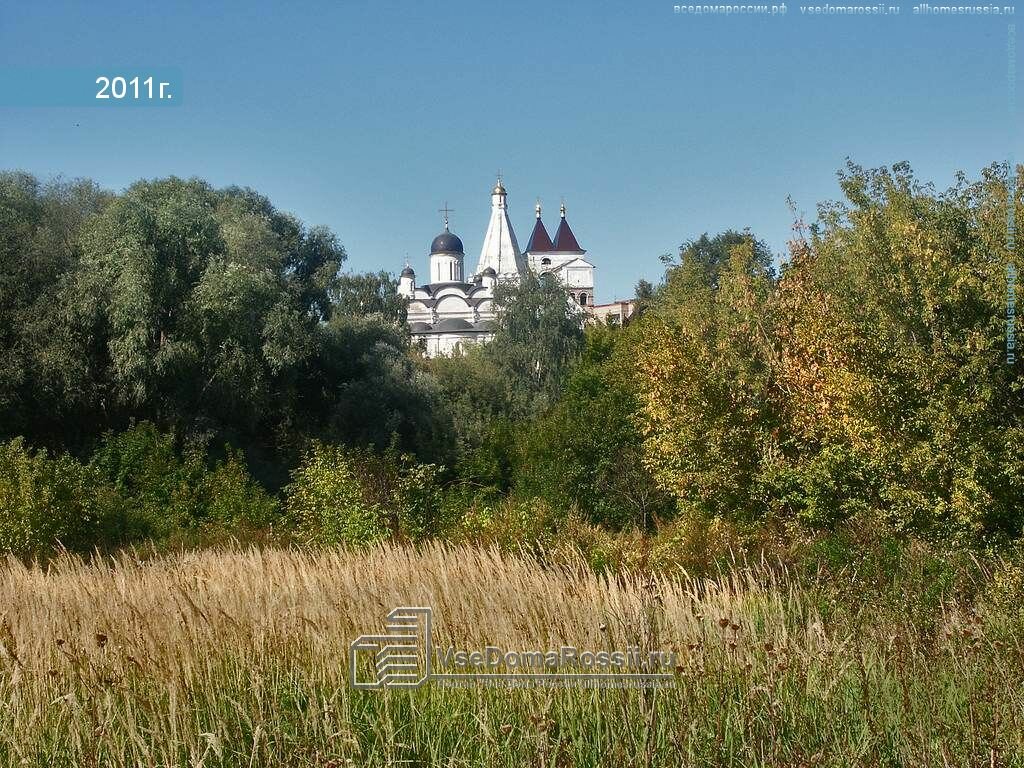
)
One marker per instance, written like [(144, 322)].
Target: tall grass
[(239, 658)]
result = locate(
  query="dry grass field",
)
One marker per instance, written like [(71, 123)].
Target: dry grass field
[(240, 658)]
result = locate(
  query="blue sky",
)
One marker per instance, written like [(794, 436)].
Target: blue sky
[(654, 127)]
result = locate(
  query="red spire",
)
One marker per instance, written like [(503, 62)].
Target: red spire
[(540, 242), (565, 240)]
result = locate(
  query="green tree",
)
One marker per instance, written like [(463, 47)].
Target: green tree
[(370, 294), (540, 333), (707, 356), (367, 390), (200, 309), (895, 355), (586, 451), (491, 391), (643, 296), (710, 255), (43, 379)]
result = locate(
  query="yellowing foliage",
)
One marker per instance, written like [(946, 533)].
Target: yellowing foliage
[(870, 375)]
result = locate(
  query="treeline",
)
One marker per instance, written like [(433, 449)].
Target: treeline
[(208, 312), (204, 333), (869, 377)]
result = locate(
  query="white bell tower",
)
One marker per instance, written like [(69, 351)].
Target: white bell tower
[(500, 251)]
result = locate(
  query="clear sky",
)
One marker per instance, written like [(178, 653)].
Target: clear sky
[(653, 126)]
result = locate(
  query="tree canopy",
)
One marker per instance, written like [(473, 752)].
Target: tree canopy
[(863, 374)]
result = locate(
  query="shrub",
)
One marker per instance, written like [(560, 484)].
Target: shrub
[(165, 491), (513, 523), (1005, 591), (353, 496), (137, 486), (417, 499), (232, 498), (823, 489), (586, 451), (143, 467), (49, 502)]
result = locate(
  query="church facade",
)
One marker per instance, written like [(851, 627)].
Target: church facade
[(454, 309)]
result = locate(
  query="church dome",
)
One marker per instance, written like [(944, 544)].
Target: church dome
[(446, 242), (408, 272), (489, 272)]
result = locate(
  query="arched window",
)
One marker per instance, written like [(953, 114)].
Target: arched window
[(583, 299), (545, 262)]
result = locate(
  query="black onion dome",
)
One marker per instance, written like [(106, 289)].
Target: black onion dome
[(408, 272), (490, 272), (446, 242)]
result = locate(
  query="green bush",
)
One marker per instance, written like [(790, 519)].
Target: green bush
[(327, 502), (353, 496), (512, 523), (50, 502), (165, 491), (586, 451), (143, 467), (1004, 591), (823, 489), (231, 498)]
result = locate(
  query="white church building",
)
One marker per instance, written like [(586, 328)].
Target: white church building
[(454, 309)]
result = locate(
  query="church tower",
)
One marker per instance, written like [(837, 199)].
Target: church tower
[(446, 256), (540, 246), (500, 251), (565, 259), (452, 310)]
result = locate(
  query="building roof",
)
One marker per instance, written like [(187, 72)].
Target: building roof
[(500, 250), (565, 240), (453, 324), (575, 261), (540, 241), (446, 242), (433, 288)]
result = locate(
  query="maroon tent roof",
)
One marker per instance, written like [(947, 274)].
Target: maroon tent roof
[(565, 240), (540, 242)]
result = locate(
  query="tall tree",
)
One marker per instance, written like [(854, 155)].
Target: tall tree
[(540, 332), (370, 294), (196, 308), (43, 379), (707, 359), (895, 339), (586, 451)]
